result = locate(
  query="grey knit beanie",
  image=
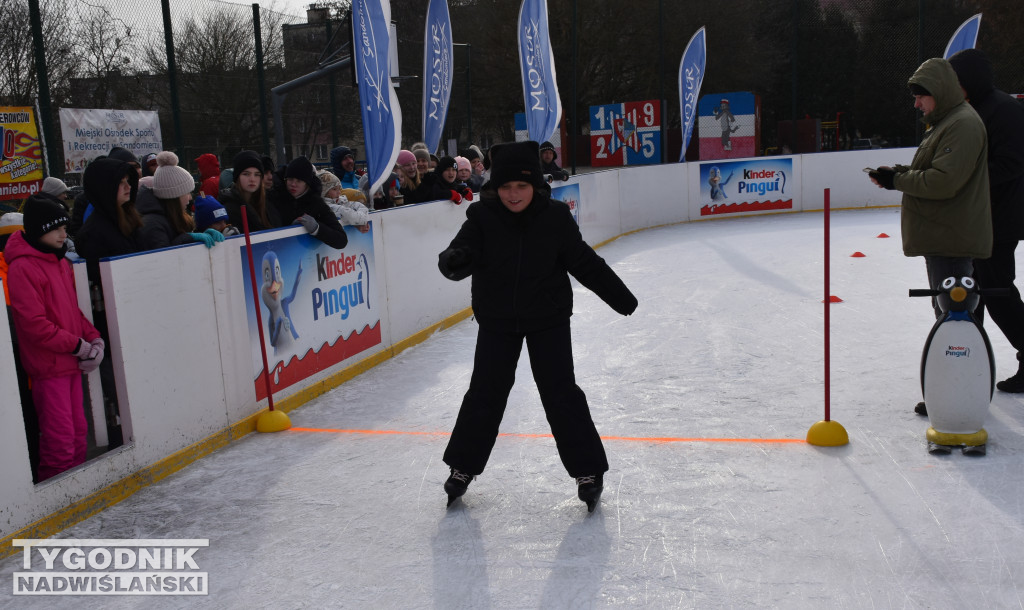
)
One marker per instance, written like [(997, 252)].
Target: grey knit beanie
[(170, 180)]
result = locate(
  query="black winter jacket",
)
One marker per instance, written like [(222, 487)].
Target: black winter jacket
[(289, 208), (157, 230), (100, 236), (1004, 121), (520, 263), (233, 204)]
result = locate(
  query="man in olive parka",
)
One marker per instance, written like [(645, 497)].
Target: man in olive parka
[(946, 216)]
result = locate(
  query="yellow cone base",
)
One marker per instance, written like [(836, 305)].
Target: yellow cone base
[(950, 439), (827, 434), (273, 421)]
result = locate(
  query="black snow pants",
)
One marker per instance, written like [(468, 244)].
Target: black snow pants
[(1007, 311), (565, 405)]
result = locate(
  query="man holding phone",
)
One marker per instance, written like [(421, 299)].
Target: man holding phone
[(946, 216)]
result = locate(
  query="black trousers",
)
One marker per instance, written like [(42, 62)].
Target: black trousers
[(1007, 312), (565, 405)]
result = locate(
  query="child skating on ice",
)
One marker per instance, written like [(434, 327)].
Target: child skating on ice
[(56, 341), (520, 246)]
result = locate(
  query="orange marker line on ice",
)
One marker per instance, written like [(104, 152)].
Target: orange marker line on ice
[(640, 439)]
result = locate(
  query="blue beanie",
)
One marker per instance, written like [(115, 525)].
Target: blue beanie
[(208, 211)]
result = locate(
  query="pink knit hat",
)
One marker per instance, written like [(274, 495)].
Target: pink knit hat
[(463, 163), (405, 157)]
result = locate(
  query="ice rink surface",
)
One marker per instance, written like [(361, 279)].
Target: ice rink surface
[(705, 505)]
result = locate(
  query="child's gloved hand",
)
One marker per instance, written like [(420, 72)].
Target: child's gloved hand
[(82, 349), (455, 197), (308, 223), (467, 194), (96, 349), (204, 238), (215, 234)]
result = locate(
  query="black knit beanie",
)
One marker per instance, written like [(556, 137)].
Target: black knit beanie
[(302, 169), (243, 161), (516, 161), (43, 213), (446, 163), (918, 89), (122, 154)]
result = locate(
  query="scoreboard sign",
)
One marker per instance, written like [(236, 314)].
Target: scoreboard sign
[(625, 134)]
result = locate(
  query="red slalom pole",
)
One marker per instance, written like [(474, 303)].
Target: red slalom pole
[(256, 302), (827, 433), (828, 306)]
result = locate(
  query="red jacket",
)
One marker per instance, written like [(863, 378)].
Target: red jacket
[(45, 309)]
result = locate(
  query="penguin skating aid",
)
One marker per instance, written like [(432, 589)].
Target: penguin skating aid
[(957, 370)]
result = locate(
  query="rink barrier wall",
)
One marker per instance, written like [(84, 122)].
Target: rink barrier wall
[(180, 345)]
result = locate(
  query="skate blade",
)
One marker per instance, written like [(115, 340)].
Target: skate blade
[(973, 450), (940, 449), (451, 500)]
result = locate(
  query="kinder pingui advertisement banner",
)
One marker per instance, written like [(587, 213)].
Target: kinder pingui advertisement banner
[(319, 305), (21, 156), (89, 133), (756, 185), (570, 196)]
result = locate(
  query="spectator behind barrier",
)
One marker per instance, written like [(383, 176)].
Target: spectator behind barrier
[(210, 214), (548, 156), (209, 173), (300, 203), (408, 176), (349, 212), (164, 208), (249, 190), (112, 229), (442, 183), (9, 224), (56, 341), (343, 165)]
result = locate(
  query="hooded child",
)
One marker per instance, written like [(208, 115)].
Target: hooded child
[(301, 203)]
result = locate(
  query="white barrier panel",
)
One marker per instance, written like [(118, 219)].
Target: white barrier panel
[(180, 340)]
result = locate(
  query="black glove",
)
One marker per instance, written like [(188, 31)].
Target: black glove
[(454, 263), (884, 176)]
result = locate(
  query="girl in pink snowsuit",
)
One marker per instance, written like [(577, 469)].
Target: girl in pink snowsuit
[(56, 341)]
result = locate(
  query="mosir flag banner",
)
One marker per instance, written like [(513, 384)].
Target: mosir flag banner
[(540, 89), (319, 305), (965, 36), (382, 117), (87, 134), (21, 156), (437, 71), (691, 75)]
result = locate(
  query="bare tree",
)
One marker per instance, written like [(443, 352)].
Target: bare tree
[(19, 81)]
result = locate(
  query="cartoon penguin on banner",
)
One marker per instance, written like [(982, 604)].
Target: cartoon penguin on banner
[(279, 319), (716, 183), (957, 370)]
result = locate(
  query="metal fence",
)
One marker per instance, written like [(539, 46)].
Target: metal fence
[(844, 62)]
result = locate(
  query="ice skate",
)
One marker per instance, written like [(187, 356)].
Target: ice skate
[(589, 489), (921, 408), (456, 485)]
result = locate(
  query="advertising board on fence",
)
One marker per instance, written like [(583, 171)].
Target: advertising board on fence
[(319, 305), (90, 133), (752, 185), (625, 134), (21, 156)]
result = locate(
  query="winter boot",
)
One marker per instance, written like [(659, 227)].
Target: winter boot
[(1015, 384), (589, 489), (920, 409), (456, 485)]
